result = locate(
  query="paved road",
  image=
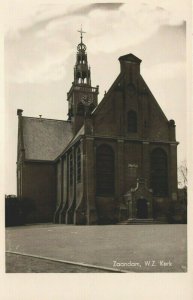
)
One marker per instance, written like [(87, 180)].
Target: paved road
[(134, 248)]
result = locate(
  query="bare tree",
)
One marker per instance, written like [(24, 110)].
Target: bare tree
[(182, 175)]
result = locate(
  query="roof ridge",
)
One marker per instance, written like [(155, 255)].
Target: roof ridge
[(38, 118)]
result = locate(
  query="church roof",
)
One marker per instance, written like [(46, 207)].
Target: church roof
[(81, 132), (45, 139)]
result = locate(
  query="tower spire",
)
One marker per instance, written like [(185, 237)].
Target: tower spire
[(81, 32), (82, 74), (82, 97)]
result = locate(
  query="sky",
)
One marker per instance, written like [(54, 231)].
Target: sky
[(40, 41)]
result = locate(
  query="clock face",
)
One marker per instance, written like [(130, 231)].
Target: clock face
[(86, 99)]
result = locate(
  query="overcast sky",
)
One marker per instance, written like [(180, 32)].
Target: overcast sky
[(40, 53)]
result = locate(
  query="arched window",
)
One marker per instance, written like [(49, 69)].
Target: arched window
[(159, 173), (71, 169), (132, 121), (104, 171), (78, 165)]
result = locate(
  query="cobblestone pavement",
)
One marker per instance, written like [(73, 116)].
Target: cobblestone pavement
[(132, 248)]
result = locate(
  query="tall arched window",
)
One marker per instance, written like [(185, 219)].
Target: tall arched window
[(132, 121), (71, 168), (104, 171), (78, 165), (159, 173)]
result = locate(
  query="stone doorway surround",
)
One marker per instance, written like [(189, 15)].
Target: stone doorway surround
[(129, 208)]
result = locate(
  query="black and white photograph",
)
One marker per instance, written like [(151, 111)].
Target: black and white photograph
[(96, 138)]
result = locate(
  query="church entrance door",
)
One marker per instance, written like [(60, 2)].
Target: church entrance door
[(142, 209)]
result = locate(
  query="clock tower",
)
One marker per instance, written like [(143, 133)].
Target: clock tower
[(82, 97)]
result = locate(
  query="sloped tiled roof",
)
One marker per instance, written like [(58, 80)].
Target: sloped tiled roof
[(45, 139), (79, 133)]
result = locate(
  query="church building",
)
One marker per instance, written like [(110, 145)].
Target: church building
[(108, 163)]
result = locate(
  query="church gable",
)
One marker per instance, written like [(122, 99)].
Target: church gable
[(129, 109), (154, 119), (107, 116), (45, 139)]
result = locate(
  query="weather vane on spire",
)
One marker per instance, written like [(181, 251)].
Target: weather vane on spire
[(81, 32)]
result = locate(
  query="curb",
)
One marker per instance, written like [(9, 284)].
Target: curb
[(69, 262)]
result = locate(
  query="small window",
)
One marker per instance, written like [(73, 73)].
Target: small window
[(132, 121), (78, 165)]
